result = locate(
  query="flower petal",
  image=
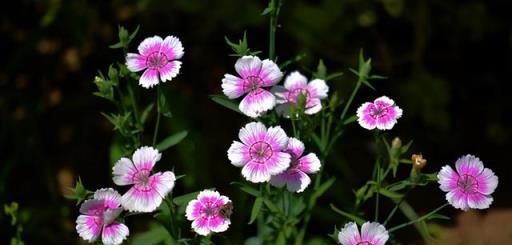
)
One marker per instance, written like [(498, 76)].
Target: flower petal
[(149, 78), (123, 171), (457, 199), (281, 94), (365, 120), (238, 154), (374, 233), (295, 180), (248, 66), (295, 147), (145, 157), (349, 235), (111, 198), (252, 132), (318, 89), (172, 48), (487, 182), (93, 207), (135, 62), (277, 138), (309, 163), (469, 165), (278, 163), (257, 102), (270, 73), (218, 224), (256, 172), (200, 226), (295, 81), (284, 110), (383, 101), (313, 106), (193, 210), (389, 120), (150, 45), (447, 179), (479, 201), (89, 227), (147, 198), (114, 233), (233, 87), (169, 70)]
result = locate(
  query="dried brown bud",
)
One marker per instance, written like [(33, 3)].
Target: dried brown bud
[(418, 162)]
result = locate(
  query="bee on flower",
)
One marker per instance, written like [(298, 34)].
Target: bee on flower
[(209, 213)]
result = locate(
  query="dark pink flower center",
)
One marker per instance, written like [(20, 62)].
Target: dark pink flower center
[(252, 83), (364, 243), (468, 184), (142, 180), (156, 60), (209, 210), (378, 111), (293, 95), (260, 152)]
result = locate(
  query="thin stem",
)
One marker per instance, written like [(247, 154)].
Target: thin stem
[(157, 125), (134, 104), (172, 227), (377, 193), (418, 219), (350, 99), (276, 5), (397, 205)]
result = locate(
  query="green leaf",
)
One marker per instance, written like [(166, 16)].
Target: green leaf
[(320, 191), (79, 193), (242, 48), (438, 216), (256, 208), (321, 70), (271, 206), (171, 140), (390, 194), (350, 120), (350, 216), (146, 112), (164, 107), (334, 76), (247, 189), (156, 234), (224, 101), (185, 199), (365, 82)]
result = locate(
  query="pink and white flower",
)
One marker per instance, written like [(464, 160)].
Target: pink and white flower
[(470, 186), (260, 152), (255, 75), (159, 58), (209, 212), (381, 114), (296, 84), (371, 234), (148, 189), (98, 217), (295, 178)]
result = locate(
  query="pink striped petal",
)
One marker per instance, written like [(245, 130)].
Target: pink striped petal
[(364, 118), (479, 201), (374, 233), (487, 182), (309, 163), (149, 78), (256, 172), (238, 154), (200, 226), (294, 179), (278, 163), (114, 233), (447, 179), (248, 66), (150, 45), (318, 89), (257, 102), (146, 197), (252, 133), (193, 210), (295, 81), (277, 138), (146, 157), (313, 106), (123, 172), (349, 235), (89, 227), (135, 62), (270, 73), (233, 87), (169, 70), (109, 196), (457, 199), (172, 48), (469, 165), (295, 147), (93, 207), (218, 224)]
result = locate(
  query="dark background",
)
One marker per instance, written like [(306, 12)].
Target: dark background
[(448, 63)]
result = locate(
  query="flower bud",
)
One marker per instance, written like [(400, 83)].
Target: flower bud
[(418, 162), (396, 143)]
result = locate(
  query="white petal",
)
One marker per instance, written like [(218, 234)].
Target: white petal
[(295, 80), (122, 172), (349, 234), (145, 157), (257, 102), (238, 154), (270, 73), (319, 88), (248, 66)]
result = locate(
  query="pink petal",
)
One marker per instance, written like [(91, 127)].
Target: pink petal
[(200, 226), (374, 233), (111, 198), (487, 182), (148, 197), (218, 224), (172, 48), (89, 227), (309, 163), (457, 199), (252, 133), (238, 154), (313, 106), (145, 158), (123, 171), (277, 138), (248, 66), (256, 172), (233, 87), (349, 235), (364, 118), (278, 163), (469, 165), (383, 101), (295, 180), (169, 70), (93, 207), (479, 201), (295, 147), (135, 62), (318, 89), (193, 210), (270, 73), (114, 233), (295, 81), (389, 120), (150, 45), (257, 102), (149, 78), (447, 179)]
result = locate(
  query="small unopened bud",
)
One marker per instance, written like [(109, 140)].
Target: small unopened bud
[(418, 162), (396, 143)]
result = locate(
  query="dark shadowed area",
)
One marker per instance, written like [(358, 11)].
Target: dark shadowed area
[(447, 63)]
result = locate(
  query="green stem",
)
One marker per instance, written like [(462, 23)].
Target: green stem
[(157, 125), (350, 99), (397, 205), (377, 195), (134, 104), (276, 5), (426, 216), (172, 226)]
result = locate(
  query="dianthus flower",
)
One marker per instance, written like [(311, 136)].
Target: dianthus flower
[(261, 152), (295, 178), (158, 57), (381, 114), (209, 212), (371, 234), (470, 186), (297, 84), (148, 189), (255, 75), (98, 217)]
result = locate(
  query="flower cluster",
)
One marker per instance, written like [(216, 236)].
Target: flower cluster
[(269, 155)]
